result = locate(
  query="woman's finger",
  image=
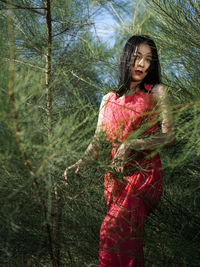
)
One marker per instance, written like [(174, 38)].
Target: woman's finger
[(65, 174), (119, 169), (77, 170)]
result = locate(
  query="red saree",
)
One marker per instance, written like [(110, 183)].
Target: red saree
[(130, 199)]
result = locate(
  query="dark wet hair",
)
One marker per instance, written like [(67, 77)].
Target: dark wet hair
[(153, 76)]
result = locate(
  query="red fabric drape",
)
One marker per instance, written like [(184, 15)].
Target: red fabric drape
[(129, 198)]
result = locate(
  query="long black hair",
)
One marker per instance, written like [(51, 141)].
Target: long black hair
[(153, 76)]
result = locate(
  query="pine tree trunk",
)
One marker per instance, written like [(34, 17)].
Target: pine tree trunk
[(58, 214), (48, 62)]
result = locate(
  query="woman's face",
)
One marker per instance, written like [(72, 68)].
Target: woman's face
[(143, 58)]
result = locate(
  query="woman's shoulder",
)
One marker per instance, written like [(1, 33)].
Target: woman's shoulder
[(159, 90), (158, 87), (105, 99), (108, 96)]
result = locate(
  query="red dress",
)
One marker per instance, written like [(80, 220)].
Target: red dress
[(130, 199)]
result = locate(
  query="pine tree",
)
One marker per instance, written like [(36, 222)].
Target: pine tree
[(49, 95), (52, 79)]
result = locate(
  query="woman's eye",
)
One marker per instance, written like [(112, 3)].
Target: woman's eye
[(148, 60), (137, 57)]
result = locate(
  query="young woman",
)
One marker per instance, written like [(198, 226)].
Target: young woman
[(137, 120)]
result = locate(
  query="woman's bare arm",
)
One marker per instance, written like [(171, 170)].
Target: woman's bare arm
[(93, 149)]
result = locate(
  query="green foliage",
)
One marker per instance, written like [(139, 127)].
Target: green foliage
[(178, 42), (40, 216)]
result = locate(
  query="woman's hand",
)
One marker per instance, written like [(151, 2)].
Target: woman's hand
[(76, 166), (120, 158)]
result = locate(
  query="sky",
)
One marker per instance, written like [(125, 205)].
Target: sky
[(105, 27)]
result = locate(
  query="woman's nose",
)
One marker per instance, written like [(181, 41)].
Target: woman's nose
[(141, 62)]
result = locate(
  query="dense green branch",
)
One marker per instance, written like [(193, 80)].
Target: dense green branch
[(14, 6)]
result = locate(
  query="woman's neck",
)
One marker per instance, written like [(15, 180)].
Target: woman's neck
[(134, 86)]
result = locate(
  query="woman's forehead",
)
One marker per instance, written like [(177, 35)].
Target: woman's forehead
[(143, 49)]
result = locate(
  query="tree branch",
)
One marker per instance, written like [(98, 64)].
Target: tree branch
[(165, 12), (75, 23), (48, 61), (14, 6), (54, 250), (72, 23), (25, 63), (17, 132), (66, 29)]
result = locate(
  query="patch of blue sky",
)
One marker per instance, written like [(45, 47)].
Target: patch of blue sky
[(109, 19), (104, 28)]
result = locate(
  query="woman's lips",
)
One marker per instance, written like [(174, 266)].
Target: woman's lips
[(138, 72)]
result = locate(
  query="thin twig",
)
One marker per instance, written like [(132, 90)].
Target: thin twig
[(117, 15), (83, 80), (136, 12), (71, 22), (81, 192), (25, 63), (63, 31)]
